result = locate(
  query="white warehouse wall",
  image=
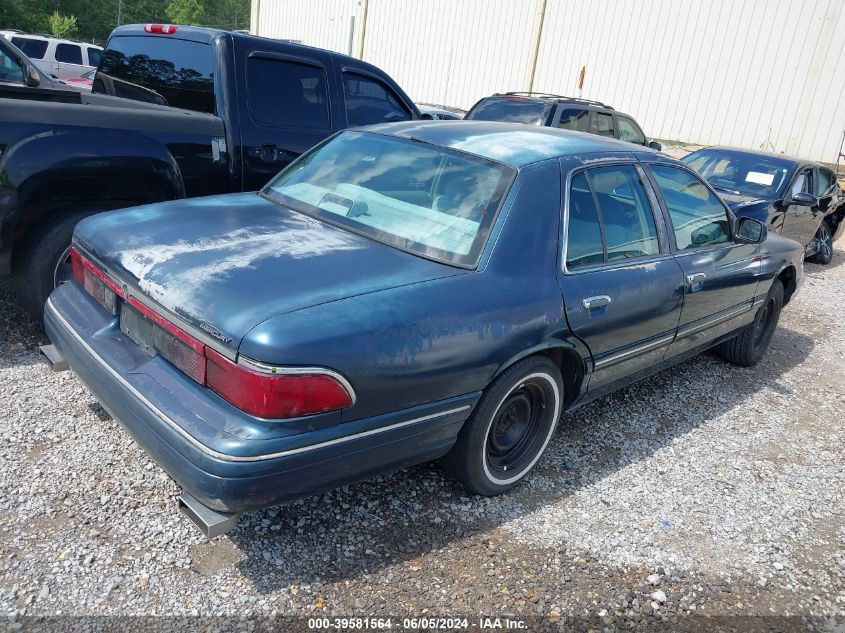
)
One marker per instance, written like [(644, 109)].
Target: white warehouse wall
[(749, 73)]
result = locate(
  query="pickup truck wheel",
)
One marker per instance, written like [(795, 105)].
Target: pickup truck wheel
[(824, 245), (42, 262), (508, 431), (748, 347)]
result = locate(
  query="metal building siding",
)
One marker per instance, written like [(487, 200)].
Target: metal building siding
[(749, 73)]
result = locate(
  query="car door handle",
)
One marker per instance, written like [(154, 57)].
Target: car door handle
[(696, 278), (591, 303)]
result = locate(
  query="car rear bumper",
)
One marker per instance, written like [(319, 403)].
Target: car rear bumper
[(199, 439)]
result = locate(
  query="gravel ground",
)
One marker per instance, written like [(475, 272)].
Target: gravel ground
[(708, 491)]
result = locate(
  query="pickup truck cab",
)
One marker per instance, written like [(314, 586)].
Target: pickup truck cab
[(175, 112)]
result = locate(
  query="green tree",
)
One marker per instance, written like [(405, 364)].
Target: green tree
[(185, 12), (63, 25)]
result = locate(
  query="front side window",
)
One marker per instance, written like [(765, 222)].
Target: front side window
[(574, 119), (802, 183), (287, 94), (34, 49), (161, 70), (824, 182), (630, 131), (69, 53), (512, 110), (428, 200), (369, 101), (698, 217), (602, 124), (10, 68)]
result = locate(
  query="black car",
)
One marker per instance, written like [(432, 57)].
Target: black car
[(797, 198), (567, 113)]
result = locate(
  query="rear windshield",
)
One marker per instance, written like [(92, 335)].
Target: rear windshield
[(34, 49), (162, 70), (512, 110), (425, 199)]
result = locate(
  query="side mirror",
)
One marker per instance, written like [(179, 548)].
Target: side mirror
[(31, 77), (750, 231), (655, 145), (426, 116), (803, 199)]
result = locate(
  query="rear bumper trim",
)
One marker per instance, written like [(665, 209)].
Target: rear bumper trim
[(217, 454)]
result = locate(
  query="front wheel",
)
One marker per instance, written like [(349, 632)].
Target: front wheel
[(508, 431), (749, 346), (824, 245)]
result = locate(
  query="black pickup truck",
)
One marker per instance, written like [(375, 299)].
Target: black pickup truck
[(175, 112)]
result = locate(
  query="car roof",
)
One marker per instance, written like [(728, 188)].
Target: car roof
[(754, 152), (10, 33), (515, 144), (547, 96)]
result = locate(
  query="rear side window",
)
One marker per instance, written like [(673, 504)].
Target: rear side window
[(602, 124), (94, 56), (161, 70), (584, 245), (698, 218), (369, 101), (574, 119), (69, 53), (512, 110), (630, 131), (287, 94), (34, 49), (610, 217)]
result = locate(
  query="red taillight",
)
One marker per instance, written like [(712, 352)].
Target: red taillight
[(268, 395), (163, 29)]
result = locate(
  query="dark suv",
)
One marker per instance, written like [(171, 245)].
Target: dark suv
[(568, 113)]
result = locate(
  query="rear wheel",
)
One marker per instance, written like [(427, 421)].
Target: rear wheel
[(749, 346), (42, 262), (508, 431), (824, 245)]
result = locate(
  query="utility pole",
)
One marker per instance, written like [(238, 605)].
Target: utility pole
[(365, 5), (119, 12), (535, 43)]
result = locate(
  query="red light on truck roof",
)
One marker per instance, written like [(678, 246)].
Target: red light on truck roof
[(164, 29)]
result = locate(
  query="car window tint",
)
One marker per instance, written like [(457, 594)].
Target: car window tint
[(626, 213), (287, 94), (94, 56), (602, 124), (34, 49), (69, 53), (629, 131), (511, 110), (10, 68), (171, 72), (574, 119), (698, 217), (824, 182), (368, 101), (583, 241)]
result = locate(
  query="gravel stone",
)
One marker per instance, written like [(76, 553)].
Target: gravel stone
[(729, 482)]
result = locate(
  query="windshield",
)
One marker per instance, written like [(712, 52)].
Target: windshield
[(511, 110), (422, 198), (741, 174), (161, 70)]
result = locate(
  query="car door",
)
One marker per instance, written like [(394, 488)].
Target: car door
[(720, 274), (285, 107), (800, 223), (622, 289)]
